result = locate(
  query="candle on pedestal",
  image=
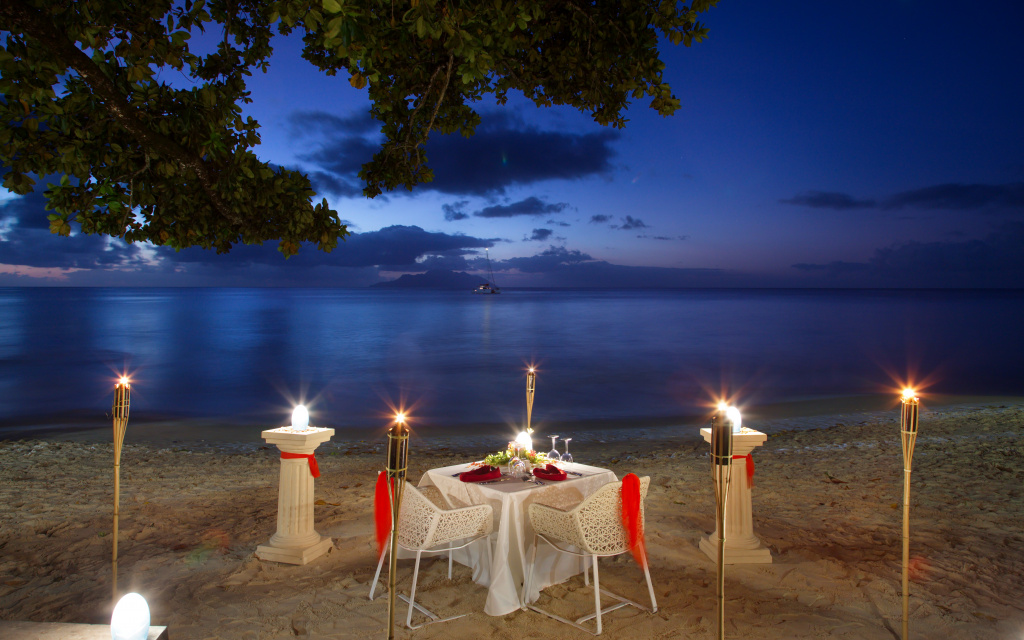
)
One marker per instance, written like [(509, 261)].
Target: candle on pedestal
[(531, 387)]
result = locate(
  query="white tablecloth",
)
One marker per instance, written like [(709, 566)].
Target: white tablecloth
[(513, 535)]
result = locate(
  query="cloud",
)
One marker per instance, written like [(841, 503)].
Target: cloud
[(663, 237), (455, 210), (25, 240), (502, 153), (997, 260), (828, 200), (540, 235), (304, 123), (629, 222), (562, 267), (443, 262), (960, 197), (950, 196), (599, 219), (558, 223), (394, 247), (531, 206), (551, 259)]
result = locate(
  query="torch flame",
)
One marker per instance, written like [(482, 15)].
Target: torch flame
[(124, 380), (908, 393)]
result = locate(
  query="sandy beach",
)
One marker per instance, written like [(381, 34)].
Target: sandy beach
[(826, 502)]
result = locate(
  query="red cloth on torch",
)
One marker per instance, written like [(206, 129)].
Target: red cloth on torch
[(314, 468), (750, 468), (382, 511), (631, 518)]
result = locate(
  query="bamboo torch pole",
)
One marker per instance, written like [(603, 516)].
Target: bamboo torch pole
[(122, 401), (398, 465), (721, 470), (531, 386), (908, 437)]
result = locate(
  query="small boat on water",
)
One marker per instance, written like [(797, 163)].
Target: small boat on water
[(490, 287)]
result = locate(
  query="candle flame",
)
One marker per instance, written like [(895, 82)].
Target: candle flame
[(722, 406), (400, 418), (909, 393)]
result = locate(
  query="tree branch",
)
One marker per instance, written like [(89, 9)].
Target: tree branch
[(28, 21)]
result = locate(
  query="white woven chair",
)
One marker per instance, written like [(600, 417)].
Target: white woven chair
[(427, 525), (592, 529)]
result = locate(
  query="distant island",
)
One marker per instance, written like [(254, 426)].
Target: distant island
[(434, 279)]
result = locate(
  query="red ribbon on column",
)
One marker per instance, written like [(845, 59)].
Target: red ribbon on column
[(314, 468), (750, 468), (382, 511), (631, 518)]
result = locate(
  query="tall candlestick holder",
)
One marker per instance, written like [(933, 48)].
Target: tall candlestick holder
[(721, 472), (398, 466), (119, 411), (531, 387), (910, 406)]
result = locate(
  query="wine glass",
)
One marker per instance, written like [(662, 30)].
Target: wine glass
[(553, 455), (566, 457)]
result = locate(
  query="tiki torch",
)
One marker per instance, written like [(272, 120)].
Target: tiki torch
[(122, 401), (531, 386), (908, 432), (398, 465), (721, 471)]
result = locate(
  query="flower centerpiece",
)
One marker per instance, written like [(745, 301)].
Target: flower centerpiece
[(502, 458)]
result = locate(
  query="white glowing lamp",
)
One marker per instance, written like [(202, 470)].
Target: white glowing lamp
[(300, 418), (909, 394), (733, 414), (524, 441), (131, 618)]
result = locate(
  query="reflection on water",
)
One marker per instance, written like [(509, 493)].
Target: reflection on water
[(248, 354)]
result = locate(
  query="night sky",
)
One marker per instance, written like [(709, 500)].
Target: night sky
[(819, 144)]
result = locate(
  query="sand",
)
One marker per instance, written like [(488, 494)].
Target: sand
[(826, 502)]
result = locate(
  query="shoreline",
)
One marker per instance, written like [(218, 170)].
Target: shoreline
[(798, 415)]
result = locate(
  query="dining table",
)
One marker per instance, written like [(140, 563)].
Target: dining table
[(513, 537)]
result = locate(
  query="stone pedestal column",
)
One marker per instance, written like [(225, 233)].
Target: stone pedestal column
[(296, 542), (741, 545)]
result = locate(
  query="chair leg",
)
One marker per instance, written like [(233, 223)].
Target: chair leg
[(380, 563), (597, 596), (529, 573), (449, 564), (650, 587), (412, 593), (586, 570)]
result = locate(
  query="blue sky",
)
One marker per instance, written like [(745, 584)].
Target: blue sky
[(818, 144)]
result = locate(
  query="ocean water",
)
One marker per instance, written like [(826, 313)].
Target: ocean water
[(246, 355)]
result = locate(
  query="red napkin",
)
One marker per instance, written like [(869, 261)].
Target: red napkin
[(550, 472), (480, 474)]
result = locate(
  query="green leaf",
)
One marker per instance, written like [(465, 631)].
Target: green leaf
[(331, 6)]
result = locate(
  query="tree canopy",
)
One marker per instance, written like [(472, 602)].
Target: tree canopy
[(81, 97)]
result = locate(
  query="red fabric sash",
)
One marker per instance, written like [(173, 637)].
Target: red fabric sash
[(314, 468), (631, 518), (382, 511), (750, 468)]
